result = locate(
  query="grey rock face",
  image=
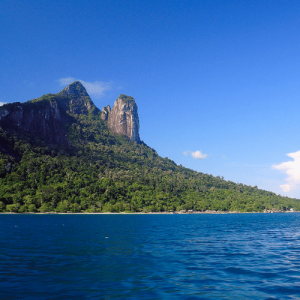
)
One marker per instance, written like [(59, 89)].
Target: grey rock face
[(74, 89), (80, 101), (47, 118), (45, 121), (123, 118), (105, 112)]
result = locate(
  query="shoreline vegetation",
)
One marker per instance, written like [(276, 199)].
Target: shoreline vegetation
[(152, 213)]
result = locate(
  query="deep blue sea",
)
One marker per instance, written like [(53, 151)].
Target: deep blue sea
[(230, 256)]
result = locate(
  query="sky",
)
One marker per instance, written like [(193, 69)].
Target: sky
[(216, 82)]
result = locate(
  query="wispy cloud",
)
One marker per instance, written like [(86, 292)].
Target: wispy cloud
[(292, 169), (66, 81), (196, 155), (95, 89), (2, 103)]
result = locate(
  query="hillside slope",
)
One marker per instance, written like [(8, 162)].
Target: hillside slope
[(57, 154)]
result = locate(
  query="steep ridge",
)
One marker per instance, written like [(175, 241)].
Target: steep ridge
[(60, 153), (79, 101), (47, 116)]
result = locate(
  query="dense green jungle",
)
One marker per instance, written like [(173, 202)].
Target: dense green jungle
[(97, 171)]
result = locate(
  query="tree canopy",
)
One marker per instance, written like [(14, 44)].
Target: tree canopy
[(102, 172)]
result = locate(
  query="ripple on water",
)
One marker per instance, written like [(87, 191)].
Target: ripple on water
[(242, 256)]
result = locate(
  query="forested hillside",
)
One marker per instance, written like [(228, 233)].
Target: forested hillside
[(96, 171)]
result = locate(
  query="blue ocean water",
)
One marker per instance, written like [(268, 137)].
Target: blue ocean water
[(231, 256)]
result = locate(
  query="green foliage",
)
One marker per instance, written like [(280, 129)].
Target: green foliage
[(45, 207), (63, 206), (23, 209), (105, 173), (2, 206), (126, 98), (32, 208), (12, 207)]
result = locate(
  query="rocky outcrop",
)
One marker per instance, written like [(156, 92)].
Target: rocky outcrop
[(105, 112), (46, 117), (79, 101), (123, 118), (44, 120)]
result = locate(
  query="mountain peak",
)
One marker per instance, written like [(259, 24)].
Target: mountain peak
[(126, 98), (80, 101), (75, 89)]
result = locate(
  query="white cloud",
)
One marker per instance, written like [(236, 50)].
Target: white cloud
[(292, 169), (196, 155), (95, 89), (2, 103)]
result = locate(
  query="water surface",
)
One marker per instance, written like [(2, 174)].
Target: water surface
[(233, 256)]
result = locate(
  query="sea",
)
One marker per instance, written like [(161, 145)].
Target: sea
[(148, 256)]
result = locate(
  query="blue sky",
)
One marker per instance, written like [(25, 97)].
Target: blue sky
[(216, 82)]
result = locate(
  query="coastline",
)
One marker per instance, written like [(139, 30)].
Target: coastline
[(147, 213)]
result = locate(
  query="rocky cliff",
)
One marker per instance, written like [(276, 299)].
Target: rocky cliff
[(43, 120), (78, 100), (105, 112), (46, 117), (123, 118)]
